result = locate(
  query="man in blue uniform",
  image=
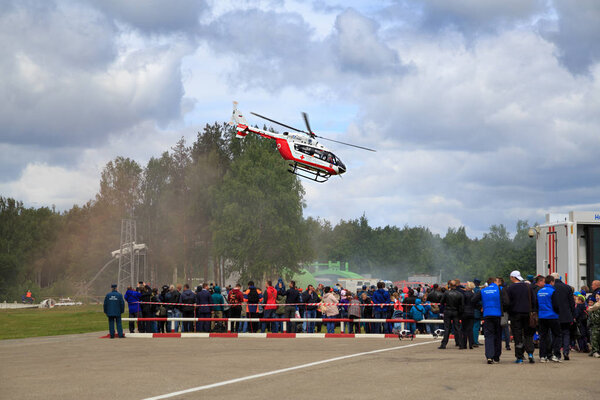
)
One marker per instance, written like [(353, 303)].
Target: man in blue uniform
[(492, 301), (548, 309), (114, 306)]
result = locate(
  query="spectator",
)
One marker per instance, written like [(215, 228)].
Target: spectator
[(172, 296), (162, 311), (331, 309), (188, 297), (252, 296), (491, 301), (367, 311), (235, 298), (133, 297), (292, 296), (594, 324), (311, 297), (521, 302), (453, 303), (548, 320), (467, 317), (147, 309), (280, 311), (217, 311), (270, 300), (203, 297), (381, 296), (581, 317), (566, 307), (353, 314)]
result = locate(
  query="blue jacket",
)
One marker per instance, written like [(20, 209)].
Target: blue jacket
[(132, 297), (114, 305), (490, 298), (547, 307), (379, 297), (203, 297)]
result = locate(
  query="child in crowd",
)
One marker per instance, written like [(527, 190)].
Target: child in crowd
[(594, 324)]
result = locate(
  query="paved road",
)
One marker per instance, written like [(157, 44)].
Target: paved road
[(83, 366)]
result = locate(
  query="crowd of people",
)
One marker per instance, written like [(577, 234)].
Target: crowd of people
[(538, 311)]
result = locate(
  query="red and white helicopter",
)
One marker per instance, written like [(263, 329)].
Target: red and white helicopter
[(308, 158)]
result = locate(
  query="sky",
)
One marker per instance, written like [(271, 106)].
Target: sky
[(482, 111)]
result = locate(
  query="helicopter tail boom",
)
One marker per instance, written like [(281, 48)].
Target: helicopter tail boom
[(238, 119)]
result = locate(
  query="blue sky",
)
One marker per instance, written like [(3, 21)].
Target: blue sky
[(482, 112)]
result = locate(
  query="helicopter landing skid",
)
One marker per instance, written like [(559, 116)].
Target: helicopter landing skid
[(307, 173)]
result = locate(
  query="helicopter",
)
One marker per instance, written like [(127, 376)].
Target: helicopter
[(308, 158)]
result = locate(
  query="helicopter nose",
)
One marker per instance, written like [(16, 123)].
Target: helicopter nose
[(341, 169)]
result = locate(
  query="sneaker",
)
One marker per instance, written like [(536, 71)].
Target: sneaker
[(531, 359), (556, 359), (496, 361), (566, 357), (508, 348), (597, 355), (543, 360), (518, 361), (476, 345), (442, 347), (490, 361)]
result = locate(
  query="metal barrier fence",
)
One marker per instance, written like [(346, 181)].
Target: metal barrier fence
[(284, 321)]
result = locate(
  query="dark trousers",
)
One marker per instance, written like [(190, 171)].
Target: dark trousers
[(187, 326), (111, 326), (235, 312), (290, 312), (203, 326), (548, 326), (253, 327), (522, 334), (492, 333), (565, 335), (451, 320), (467, 332), (354, 326), (132, 323)]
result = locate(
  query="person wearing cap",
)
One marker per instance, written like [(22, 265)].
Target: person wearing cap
[(566, 309), (521, 301), (114, 306)]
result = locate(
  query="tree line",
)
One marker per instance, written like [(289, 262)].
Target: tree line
[(222, 206)]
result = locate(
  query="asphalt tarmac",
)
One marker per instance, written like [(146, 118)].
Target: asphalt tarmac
[(87, 367)]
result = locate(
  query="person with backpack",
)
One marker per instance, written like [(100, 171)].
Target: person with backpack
[(252, 296), (187, 297), (270, 301), (235, 298)]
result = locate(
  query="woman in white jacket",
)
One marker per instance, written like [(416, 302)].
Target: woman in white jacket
[(331, 309)]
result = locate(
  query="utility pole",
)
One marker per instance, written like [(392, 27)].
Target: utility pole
[(127, 265)]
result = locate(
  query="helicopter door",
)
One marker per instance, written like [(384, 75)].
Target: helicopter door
[(593, 253)]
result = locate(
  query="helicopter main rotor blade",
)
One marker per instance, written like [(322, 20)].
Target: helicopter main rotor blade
[(305, 115), (279, 123), (347, 144)]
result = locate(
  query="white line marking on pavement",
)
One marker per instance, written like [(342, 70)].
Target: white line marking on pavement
[(280, 371)]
